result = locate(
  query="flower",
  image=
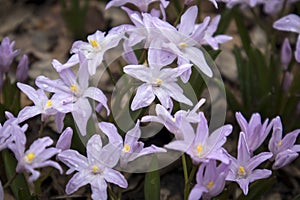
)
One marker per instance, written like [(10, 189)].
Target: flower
[(142, 5), (75, 91), (95, 169), (203, 147), (11, 134), (42, 104), (22, 69), (210, 180), (36, 156), (129, 149), (286, 54), (242, 169), (65, 139), (95, 48), (157, 82), (284, 149), (7, 54), (255, 132), (290, 23), (177, 124)]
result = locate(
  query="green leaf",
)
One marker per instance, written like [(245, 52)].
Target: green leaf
[(152, 182), (258, 188), (18, 185)]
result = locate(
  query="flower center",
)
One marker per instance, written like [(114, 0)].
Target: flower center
[(199, 148), (95, 169), (48, 103), (279, 143), (126, 148), (29, 157), (73, 88), (209, 185), (241, 171), (158, 82), (182, 45), (94, 43)]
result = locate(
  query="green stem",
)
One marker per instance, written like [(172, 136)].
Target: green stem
[(187, 178), (111, 194), (10, 181), (184, 166), (41, 129)]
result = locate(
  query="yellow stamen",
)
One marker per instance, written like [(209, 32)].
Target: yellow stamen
[(241, 171), (279, 143), (95, 169), (94, 43), (199, 148), (209, 185), (73, 88), (49, 103), (126, 148), (145, 63), (29, 157), (158, 82), (182, 44), (174, 119)]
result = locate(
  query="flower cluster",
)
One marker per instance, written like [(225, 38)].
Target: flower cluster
[(169, 52)]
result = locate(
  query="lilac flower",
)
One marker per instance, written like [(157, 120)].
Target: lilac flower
[(42, 104), (188, 2), (131, 148), (141, 4), (273, 7), (22, 69), (183, 41), (95, 48), (286, 54), (177, 124), (204, 147), (11, 133), (37, 156), (76, 92), (157, 82), (7, 54), (290, 23), (255, 131), (231, 3), (242, 169), (95, 169), (211, 40), (210, 180), (284, 149), (65, 139)]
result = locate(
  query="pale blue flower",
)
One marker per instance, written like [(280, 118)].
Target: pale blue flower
[(94, 50), (95, 169), (178, 124), (243, 169), (255, 131), (7, 54), (210, 180), (284, 149), (202, 146), (290, 23), (65, 139), (22, 69), (75, 90), (129, 149), (159, 82), (37, 156)]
